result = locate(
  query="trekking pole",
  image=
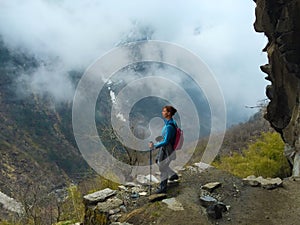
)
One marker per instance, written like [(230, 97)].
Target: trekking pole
[(150, 185)]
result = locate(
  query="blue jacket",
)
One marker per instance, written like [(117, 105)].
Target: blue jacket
[(168, 133)]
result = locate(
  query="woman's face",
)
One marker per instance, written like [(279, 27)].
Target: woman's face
[(165, 113)]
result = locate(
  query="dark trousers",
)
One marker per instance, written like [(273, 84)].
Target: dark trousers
[(165, 170), (164, 158)]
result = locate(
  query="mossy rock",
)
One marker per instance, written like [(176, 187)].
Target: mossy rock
[(94, 217)]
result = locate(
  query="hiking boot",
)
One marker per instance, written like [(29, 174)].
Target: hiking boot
[(161, 191), (174, 177), (162, 187)]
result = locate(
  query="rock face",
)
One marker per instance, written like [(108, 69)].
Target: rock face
[(11, 204), (280, 21)]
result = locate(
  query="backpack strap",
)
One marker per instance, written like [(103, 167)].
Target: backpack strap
[(173, 125)]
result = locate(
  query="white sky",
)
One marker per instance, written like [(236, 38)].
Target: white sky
[(77, 32)]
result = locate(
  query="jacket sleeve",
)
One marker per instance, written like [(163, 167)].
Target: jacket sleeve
[(167, 137)]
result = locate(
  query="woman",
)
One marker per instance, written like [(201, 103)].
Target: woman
[(166, 151)]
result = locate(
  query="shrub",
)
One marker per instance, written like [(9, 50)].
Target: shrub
[(264, 158), (72, 208)]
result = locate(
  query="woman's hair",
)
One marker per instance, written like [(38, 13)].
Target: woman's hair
[(170, 109)]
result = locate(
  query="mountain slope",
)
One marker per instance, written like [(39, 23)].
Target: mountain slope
[(34, 144)]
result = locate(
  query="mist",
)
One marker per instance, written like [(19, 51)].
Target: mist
[(70, 35)]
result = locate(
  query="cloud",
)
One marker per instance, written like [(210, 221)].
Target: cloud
[(75, 33), (45, 81)]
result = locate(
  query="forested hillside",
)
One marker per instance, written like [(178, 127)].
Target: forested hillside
[(36, 140)]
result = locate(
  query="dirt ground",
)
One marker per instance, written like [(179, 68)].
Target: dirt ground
[(248, 205)]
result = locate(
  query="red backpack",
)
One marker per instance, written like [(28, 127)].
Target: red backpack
[(179, 138)]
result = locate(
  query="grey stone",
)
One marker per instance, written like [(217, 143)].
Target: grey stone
[(115, 217), (114, 211), (272, 183), (192, 169), (252, 181), (99, 196), (144, 193), (11, 204), (173, 204), (123, 208), (268, 183), (122, 188), (202, 166), (135, 195), (109, 204), (211, 186), (207, 200), (137, 189)]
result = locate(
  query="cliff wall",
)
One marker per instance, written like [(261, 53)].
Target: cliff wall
[(279, 20)]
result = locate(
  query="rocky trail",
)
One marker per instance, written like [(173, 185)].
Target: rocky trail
[(234, 201)]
